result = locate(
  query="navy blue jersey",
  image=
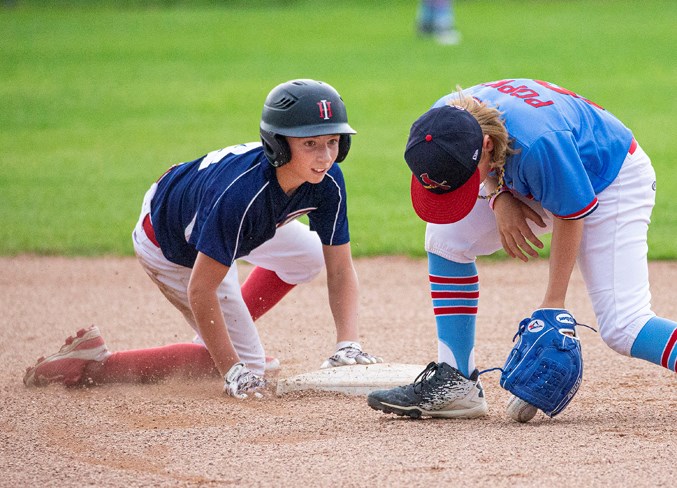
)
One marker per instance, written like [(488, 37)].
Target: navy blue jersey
[(228, 202), (569, 148)]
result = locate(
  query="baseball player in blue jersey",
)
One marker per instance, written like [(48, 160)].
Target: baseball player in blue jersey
[(242, 201), (498, 165)]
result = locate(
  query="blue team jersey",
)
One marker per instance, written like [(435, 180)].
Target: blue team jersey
[(228, 202), (569, 148)]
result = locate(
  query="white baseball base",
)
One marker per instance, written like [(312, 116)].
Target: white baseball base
[(358, 379)]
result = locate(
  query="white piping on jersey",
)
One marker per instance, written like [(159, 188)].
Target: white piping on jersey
[(189, 229), (239, 229), (338, 208), (233, 182)]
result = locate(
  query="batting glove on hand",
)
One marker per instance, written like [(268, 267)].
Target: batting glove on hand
[(240, 382), (348, 353)]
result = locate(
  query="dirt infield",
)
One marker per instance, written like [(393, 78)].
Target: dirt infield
[(619, 431)]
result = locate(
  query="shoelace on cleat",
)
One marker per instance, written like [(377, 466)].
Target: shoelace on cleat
[(425, 376)]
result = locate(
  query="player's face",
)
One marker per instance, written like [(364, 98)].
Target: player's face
[(311, 158)]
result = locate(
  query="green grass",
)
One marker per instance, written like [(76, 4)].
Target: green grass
[(97, 101)]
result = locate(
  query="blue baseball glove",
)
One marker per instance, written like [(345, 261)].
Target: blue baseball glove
[(545, 367)]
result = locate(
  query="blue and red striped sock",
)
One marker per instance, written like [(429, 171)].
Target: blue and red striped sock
[(657, 343), (454, 289)]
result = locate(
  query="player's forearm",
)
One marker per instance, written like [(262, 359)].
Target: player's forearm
[(342, 286), (211, 324), (205, 279), (566, 240), (343, 301)]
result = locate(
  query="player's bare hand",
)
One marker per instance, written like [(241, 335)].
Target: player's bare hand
[(241, 383), (512, 218), (349, 353)]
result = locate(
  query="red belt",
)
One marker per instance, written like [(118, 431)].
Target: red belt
[(633, 146), (148, 229)]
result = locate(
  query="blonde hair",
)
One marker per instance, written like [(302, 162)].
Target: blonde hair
[(491, 122)]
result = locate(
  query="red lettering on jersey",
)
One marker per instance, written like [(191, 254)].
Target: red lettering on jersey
[(506, 89), (564, 91), (522, 91), (529, 95), (537, 103), (496, 84), (556, 88)]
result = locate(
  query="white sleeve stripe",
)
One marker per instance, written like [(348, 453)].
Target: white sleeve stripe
[(244, 215), (583, 213), (232, 183), (338, 209), (189, 228)]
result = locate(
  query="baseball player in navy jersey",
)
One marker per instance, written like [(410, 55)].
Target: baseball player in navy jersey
[(242, 201), (498, 165)]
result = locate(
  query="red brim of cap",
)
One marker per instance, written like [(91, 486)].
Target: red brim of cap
[(445, 208)]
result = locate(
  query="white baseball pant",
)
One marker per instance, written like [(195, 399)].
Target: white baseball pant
[(294, 253)]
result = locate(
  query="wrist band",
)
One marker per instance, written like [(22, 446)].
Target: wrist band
[(493, 198)]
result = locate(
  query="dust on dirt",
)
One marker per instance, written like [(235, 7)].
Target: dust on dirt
[(619, 430)]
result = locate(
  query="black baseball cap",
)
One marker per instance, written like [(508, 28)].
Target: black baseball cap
[(443, 151)]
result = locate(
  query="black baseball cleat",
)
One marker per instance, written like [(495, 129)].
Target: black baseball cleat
[(439, 391)]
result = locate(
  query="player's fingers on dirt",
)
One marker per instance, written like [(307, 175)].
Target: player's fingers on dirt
[(346, 361), (329, 363), (337, 360), (241, 383)]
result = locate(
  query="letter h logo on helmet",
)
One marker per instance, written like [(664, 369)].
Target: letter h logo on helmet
[(325, 109)]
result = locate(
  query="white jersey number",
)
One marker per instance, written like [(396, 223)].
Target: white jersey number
[(218, 155)]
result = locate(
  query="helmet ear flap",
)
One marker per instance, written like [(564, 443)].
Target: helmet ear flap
[(344, 147), (276, 148)]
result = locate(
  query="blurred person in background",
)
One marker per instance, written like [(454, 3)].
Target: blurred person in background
[(436, 18)]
